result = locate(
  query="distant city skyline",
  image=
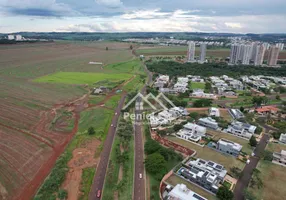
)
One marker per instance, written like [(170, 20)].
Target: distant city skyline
[(237, 16)]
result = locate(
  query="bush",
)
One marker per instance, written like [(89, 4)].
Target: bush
[(91, 131), (224, 193), (253, 141), (177, 127), (268, 155), (62, 194)]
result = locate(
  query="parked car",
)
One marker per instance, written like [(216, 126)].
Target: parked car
[(140, 175), (98, 193)]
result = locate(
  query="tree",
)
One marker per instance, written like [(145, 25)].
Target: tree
[(162, 132), (62, 194), (194, 115), (278, 97), (91, 131), (235, 172), (177, 127), (155, 163), (224, 193), (202, 103), (248, 195), (151, 146), (241, 109), (253, 141), (106, 48), (131, 47), (268, 155), (208, 87)]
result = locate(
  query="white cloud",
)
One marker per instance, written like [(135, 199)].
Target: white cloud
[(110, 3), (144, 14), (233, 25)]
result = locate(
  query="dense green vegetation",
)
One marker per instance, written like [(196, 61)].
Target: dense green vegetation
[(159, 161), (211, 69), (122, 158), (86, 182)]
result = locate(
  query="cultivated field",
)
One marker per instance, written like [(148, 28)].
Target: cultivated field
[(38, 119)]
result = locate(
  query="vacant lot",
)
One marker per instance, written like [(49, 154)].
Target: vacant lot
[(273, 177), (209, 154), (182, 50), (81, 78), (29, 146), (276, 147), (196, 85), (220, 135)]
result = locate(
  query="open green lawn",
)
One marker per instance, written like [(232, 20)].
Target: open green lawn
[(225, 115), (218, 135), (136, 84), (161, 49), (274, 178), (196, 85), (81, 78), (174, 180), (132, 66), (113, 101), (209, 154), (99, 118)]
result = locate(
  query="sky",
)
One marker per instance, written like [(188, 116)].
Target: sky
[(232, 16)]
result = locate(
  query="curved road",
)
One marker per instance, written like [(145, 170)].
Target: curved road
[(243, 181), (98, 180)]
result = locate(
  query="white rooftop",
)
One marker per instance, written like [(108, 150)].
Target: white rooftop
[(181, 192)]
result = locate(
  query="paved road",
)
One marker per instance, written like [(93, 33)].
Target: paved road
[(98, 180), (139, 183), (248, 169)]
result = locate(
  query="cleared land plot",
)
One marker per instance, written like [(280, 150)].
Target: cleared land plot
[(182, 50), (28, 107), (196, 85), (209, 154), (225, 115), (174, 180), (273, 177), (80, 78), (219, 135), (276, 147)]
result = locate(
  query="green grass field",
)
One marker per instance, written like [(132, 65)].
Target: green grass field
[(196, 85), (162, 49), (81, 78), (113, 101)]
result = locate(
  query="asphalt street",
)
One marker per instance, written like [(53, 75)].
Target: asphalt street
[(248, 169), (101, 169)]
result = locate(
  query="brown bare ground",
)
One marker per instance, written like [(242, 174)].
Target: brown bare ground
[(82, 158), (28, 148)]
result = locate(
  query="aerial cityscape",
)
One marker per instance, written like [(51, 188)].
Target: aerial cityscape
[(142, 100)]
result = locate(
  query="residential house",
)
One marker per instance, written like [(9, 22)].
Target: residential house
[(214, 112), (282, 138), (208, 122), (264, 110), (235, 84), (191, 132), (181, 192), (236, 113), (279, 157), (229, 147), (199, 93), (241, 129), (97, 91), (207, 174)]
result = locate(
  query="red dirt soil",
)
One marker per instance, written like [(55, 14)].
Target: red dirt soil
[(82, 158)]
